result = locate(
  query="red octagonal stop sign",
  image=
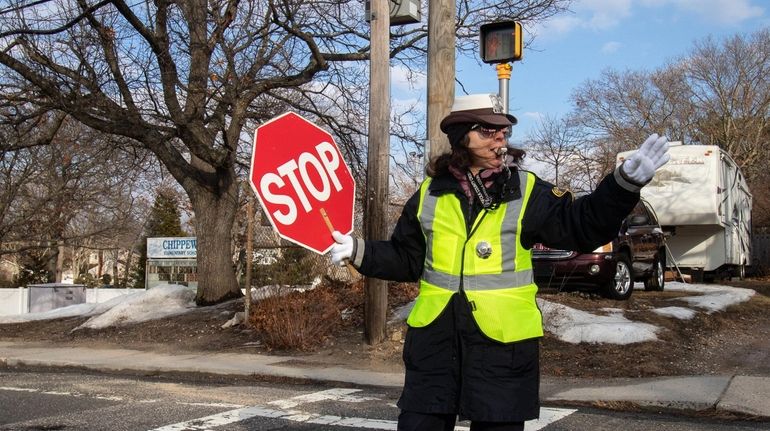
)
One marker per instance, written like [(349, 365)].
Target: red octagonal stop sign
[(298, 174)]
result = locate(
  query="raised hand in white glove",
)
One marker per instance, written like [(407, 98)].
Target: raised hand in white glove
[(343, 249), (643, 163)]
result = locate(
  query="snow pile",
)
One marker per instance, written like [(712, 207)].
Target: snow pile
[(711, 298), (681, 313), (76, 310), (155, 303), (576, 326)]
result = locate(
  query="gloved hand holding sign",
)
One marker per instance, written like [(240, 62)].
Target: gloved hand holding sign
[(642, 164), (343, 249)]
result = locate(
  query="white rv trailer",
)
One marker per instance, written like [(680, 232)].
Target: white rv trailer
[(703, 203)]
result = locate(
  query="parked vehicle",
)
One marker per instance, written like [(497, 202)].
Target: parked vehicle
[(636, 254), (704, 206)]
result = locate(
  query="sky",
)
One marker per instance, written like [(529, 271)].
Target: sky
[(572, 48), (609, 326)]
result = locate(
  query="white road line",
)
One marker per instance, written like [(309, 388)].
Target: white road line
[(112, 398), (547, 415), (6, 388), (336, 394), (225, 418), (226, 405), (68, 394)]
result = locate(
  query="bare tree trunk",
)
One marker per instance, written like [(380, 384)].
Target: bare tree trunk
[(214, 218), (249, 258), (115, 256), (128, 267), (100, 259), (59, 264)]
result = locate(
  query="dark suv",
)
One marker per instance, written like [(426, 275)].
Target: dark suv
[(636, 254)]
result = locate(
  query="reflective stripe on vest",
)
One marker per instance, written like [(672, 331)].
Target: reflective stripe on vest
[(500, 288)]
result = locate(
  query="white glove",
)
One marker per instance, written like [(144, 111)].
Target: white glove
[(643, 163), (343, 250)]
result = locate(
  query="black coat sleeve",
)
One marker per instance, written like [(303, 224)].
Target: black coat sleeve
[(560, 221), (402, 257)]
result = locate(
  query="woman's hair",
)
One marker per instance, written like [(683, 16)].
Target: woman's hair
[(460, 158)]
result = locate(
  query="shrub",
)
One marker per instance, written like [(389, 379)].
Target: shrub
[(296, 320)]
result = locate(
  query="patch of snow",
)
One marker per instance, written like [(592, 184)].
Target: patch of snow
[(712, 297), (237, 319), (75, 310), (577, 326), (682, 313)]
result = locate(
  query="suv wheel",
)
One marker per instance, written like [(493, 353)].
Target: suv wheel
[(622, 284), (657, 278)]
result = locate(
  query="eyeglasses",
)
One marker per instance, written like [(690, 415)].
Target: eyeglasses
[(491, 132)]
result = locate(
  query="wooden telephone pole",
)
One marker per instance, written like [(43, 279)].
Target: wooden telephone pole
[(376, 203), (441, 72)]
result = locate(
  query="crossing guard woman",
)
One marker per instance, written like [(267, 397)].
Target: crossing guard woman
[(472, 343)]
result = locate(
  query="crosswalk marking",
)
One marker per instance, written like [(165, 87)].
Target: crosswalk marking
[(547, 415), (336, 394)]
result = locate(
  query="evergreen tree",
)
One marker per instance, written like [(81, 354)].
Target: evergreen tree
[(164, 221)]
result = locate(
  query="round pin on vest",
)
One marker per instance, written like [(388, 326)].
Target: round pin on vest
[(483, 250)]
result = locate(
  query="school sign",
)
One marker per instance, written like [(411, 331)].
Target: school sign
[(172, 248)]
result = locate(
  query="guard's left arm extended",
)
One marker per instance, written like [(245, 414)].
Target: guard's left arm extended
[(558, 220)]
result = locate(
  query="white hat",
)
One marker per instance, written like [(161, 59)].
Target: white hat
[(478, 108)]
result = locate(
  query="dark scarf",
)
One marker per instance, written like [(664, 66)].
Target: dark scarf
[(486, 175)]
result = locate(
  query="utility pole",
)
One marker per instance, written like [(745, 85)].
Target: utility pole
[(376, 204), (441, 72)]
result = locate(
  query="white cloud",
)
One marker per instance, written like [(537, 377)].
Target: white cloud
[(604, 13), (406, 79), (610, 47), (537, 116), (415, 105), (588, 14), (598, 15), (725, 12)]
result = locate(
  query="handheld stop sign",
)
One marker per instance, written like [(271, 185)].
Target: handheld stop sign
[(302, 182)]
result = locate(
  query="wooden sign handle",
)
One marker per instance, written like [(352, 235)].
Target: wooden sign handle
[(326, 219), (331, 229)]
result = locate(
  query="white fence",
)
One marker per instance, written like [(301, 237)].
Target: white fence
[(16, 301)]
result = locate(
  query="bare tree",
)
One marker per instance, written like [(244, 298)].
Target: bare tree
[(555, 144), (718, 94), (730, 88), (77, 193), (189, 79)]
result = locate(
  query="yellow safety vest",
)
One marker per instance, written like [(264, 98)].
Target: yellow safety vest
[(500, 287)]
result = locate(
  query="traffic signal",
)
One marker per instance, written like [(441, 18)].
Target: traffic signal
[(501, 42)]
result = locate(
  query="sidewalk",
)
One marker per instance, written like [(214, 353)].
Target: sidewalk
[(745, 395)]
